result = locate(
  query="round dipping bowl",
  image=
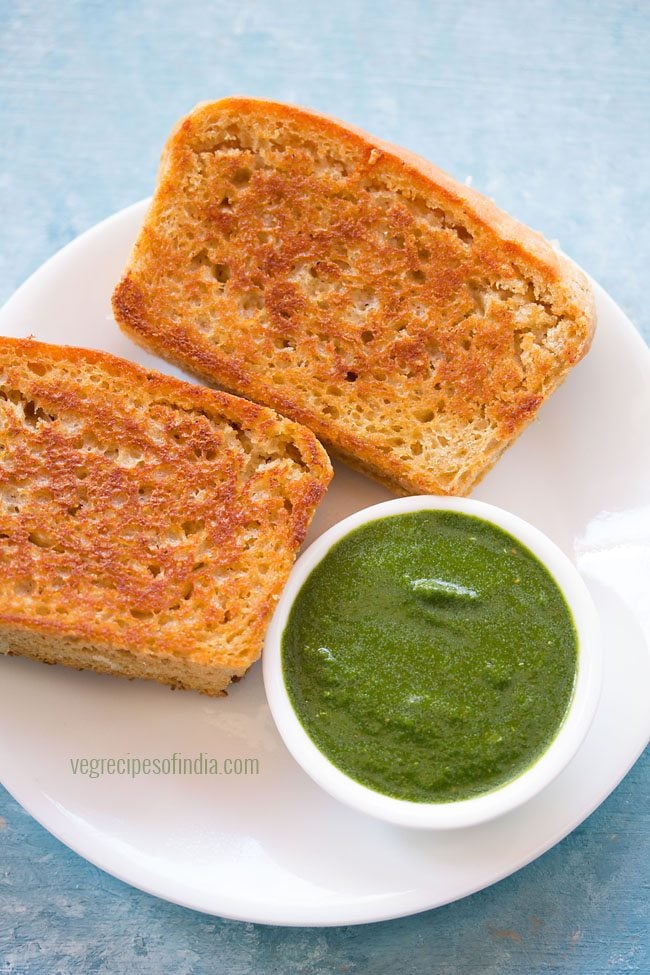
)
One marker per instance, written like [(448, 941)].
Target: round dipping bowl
[(485, 806)]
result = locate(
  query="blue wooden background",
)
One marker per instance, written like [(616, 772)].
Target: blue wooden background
[(545, 105)]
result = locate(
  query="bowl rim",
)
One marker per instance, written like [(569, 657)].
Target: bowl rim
[(487, 806)]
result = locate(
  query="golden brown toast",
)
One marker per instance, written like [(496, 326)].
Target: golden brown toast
[(147, 525), (350, 285)]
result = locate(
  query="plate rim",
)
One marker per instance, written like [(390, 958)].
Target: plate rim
[(326, 914)]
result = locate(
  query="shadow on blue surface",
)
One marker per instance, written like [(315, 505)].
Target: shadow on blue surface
[(544, 104), (560, 914)]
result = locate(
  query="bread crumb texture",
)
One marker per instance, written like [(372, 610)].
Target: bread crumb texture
[(350, 285), (147, 525)]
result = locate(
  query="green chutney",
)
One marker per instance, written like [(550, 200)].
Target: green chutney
[(430, 656)]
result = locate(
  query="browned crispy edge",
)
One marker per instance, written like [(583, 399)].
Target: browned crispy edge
[(75, 644), (527, 249), (37, 642)]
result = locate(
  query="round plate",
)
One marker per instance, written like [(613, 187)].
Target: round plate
[(273, 847)]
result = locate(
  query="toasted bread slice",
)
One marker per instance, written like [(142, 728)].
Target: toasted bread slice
[(147, 525), (350, 285)]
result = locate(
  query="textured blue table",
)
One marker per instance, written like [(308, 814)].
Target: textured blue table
[(545, 106)]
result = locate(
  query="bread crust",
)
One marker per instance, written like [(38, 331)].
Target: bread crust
[(147, 525), (477, 319)]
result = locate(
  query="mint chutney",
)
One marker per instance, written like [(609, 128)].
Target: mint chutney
[(430, 656)]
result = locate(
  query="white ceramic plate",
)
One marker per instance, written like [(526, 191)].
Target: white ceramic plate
[(274, 848)]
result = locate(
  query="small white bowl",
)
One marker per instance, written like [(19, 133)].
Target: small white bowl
[(466, 812)]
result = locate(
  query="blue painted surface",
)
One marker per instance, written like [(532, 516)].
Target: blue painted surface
[(545, 106)]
